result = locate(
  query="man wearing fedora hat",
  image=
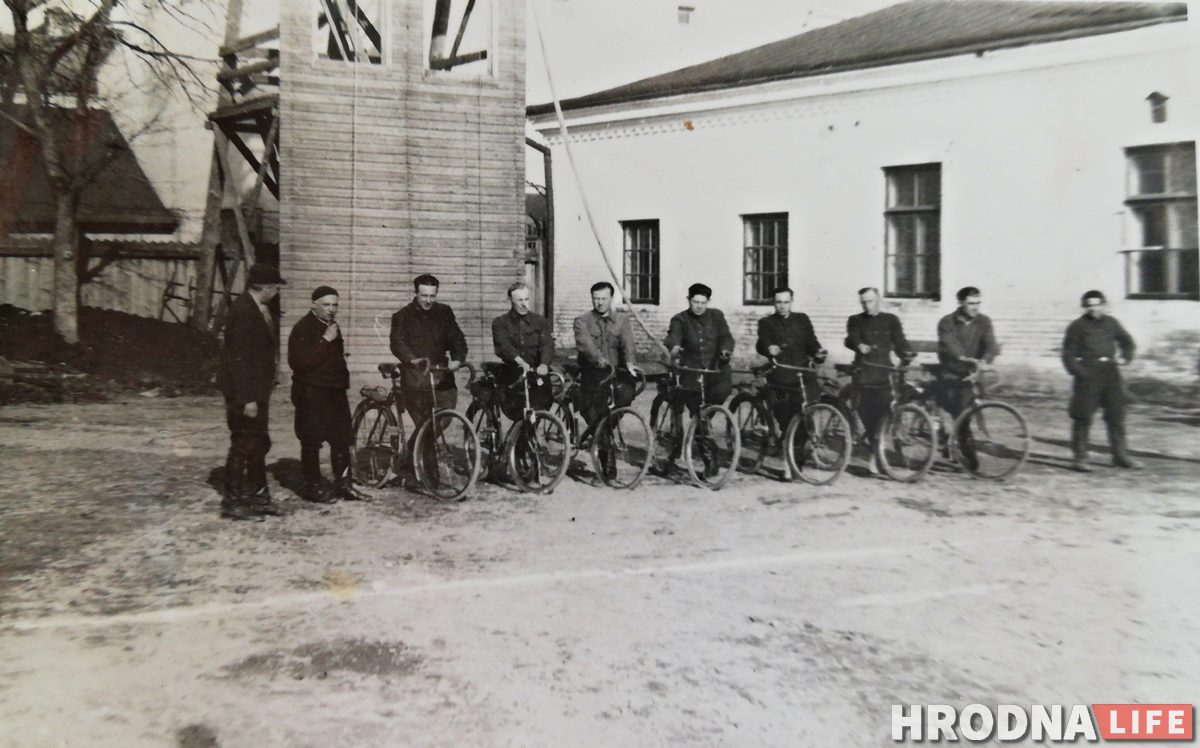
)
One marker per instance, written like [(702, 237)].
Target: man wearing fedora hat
[(317, 357), (246, 378)]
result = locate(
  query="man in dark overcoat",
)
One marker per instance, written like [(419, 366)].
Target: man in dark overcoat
[(246, 377)]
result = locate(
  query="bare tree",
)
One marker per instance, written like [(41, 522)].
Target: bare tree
[(53, 67)]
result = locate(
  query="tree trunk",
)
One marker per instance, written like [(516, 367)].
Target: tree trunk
[(65, 299)]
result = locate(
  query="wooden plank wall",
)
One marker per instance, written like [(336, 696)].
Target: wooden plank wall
[(134, 286), (391, 170)]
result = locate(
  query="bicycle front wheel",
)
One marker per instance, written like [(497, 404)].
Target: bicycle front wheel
[(538, 452), (757, 429), (622, 448), (990, 440), (376, 443), (446, 455), (711, 447), (818, 444), (907, 443)]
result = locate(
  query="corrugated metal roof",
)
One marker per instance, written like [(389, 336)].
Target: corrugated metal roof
[(915, 30)]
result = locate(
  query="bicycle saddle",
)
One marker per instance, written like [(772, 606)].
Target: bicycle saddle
[(492, 367), (844, 368), (390, 369)]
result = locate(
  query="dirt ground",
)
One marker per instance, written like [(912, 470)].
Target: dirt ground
[(763, 614)]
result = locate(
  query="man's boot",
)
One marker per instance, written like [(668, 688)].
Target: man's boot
[(1120, 453), (261, 504), (234, 504), (1079, 446), (343, 487)]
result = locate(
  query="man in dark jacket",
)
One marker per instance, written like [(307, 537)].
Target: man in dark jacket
[(425, 332), (246, 378), (699, 338), (788, 338), (966, 342), (1089, 354), (523, 341), (317, 357), (874, 336)]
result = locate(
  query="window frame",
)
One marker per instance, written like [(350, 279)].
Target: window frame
[(1173, 258), (653, 257), (919, 210), (382, 24), (782, 266)]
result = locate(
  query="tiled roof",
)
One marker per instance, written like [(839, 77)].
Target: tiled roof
[(910, 31)]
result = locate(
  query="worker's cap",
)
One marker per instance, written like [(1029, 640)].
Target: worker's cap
[(323, 291), (262, 274), (699, 289)]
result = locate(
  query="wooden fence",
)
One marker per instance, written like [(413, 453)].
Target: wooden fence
[(155, 282)]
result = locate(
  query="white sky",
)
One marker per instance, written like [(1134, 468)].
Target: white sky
[(597, 44)]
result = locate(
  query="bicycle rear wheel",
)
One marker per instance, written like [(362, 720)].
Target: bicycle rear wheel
[(824, 448), (446, 455), (486, 424), (990, 440), (907, 444), (712, 446), (622, 448), (538, 452), (377, 438), (758, 431)]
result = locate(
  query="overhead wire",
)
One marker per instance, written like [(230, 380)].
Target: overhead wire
[(617, 278)]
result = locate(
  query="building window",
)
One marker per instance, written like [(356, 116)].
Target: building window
[(349, 31), (1162, 261), (458, 36), (641, 261), (764, 256), (685, 13), (914, 235)]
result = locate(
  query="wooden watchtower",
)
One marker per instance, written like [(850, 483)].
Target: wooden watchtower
[(402, 148), (395, 144)]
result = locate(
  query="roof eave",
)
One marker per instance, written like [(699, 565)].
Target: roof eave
[(596, 100)]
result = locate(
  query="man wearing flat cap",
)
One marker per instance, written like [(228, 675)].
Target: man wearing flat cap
[(317, 357), (699, 337), (246, 377)]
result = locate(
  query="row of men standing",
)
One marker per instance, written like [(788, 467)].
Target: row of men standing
[(427, 332)]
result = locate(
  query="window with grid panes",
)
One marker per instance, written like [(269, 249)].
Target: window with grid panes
[(1162, 261), (641, 260), (764, 256), (913, 227)]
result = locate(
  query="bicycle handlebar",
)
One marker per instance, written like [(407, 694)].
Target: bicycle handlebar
[(428, 369), (692, 370)]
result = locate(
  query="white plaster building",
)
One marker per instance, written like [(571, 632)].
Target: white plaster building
[(927, 146)]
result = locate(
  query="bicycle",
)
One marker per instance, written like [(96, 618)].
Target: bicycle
[(712, 437), (622, 433), (989, 439), (446, 437), (536, 448), (907, 443), (827, 441)]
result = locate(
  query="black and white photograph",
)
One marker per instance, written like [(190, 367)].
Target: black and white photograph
[(598, 373)]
